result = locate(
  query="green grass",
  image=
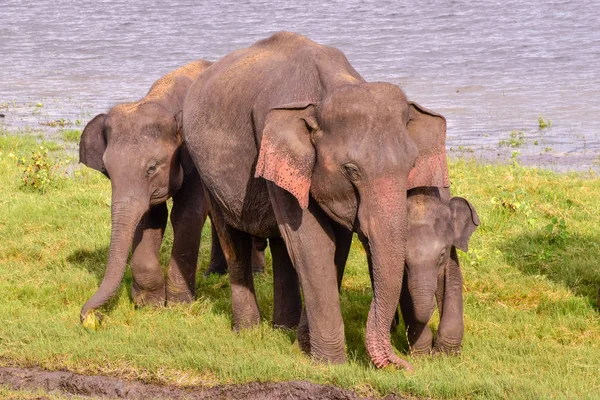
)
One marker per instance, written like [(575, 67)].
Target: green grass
[(516, 139), (70, 135), (531, 279)]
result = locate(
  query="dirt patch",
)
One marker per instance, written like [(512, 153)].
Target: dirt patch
[(106, 387)]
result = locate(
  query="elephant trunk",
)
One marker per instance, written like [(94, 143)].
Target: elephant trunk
[(383, 221), (125, 216), (423, 300)]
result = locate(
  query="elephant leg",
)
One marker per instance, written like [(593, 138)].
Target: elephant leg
[(237, 248), (218, 264), (310, 241), (148, 279), (187, 217), (258, 255), (451, 330), (287, 302), (419, 335), (343, 241)]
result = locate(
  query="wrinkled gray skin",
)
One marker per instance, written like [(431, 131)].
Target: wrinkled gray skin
[(437, 225), (218, 264), (304, 151), (139, 147)]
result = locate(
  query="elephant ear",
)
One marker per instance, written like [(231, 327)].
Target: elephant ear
[(178, 117), (427, 130), (464, 221), (286, 155), (93, 144)]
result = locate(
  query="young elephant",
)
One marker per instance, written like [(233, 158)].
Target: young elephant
[(138, 146), (437, 225)]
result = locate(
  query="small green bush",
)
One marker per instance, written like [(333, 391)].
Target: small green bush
[(543, 124), (40, 172), (517, 139)]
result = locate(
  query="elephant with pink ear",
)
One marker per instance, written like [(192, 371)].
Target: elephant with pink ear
[(303, 151)]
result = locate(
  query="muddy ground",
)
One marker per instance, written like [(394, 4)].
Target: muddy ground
[(68, 383)]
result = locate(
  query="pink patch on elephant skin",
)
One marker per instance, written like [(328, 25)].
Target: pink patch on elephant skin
[(286, 155), (290, 173), (431, 170), (427, 129), (385, 189)]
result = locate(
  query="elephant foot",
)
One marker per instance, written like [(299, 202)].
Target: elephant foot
[(447, 347), (179, 296), (420, 351), (326, 349), (287, 312), (147, 297), (328, 354), (218, 268), (178, 289), (303, 334), (288, 322), (249, 319)]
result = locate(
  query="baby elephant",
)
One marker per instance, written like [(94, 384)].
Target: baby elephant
[(139, 146), (437, 225)]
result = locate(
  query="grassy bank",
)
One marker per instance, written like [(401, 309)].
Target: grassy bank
[(531, 279)]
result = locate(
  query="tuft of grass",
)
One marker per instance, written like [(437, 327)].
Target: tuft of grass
[(543, 124), (516, 139), (71, 135), (532, 326), (60, 123)]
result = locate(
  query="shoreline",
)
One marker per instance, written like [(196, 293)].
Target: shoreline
[(526, 152)]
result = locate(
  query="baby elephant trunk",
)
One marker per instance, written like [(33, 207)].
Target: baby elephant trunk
[(423, 299), (125, 217)]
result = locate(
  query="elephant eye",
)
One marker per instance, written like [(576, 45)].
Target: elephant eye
[(351, 171), (151, 169)]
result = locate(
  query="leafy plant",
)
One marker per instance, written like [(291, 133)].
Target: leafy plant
[(516, 139), (515, 202), (556, 231), (543, 124), (39, 171)]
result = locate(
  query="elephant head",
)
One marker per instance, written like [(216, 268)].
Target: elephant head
[(434, 226), (137, 146), (356, 153)]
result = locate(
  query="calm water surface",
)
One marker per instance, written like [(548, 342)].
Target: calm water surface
[(491, 67)]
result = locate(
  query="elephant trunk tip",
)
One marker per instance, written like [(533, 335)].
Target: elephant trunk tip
[(382, 356), (90, 319)]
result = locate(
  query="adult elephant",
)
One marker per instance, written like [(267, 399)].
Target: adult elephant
[(301, 148), (139, 147)]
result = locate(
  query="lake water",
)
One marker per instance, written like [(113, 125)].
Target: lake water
[(490, 67)]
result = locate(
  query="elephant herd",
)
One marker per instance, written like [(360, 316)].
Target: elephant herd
[(285, 141)]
